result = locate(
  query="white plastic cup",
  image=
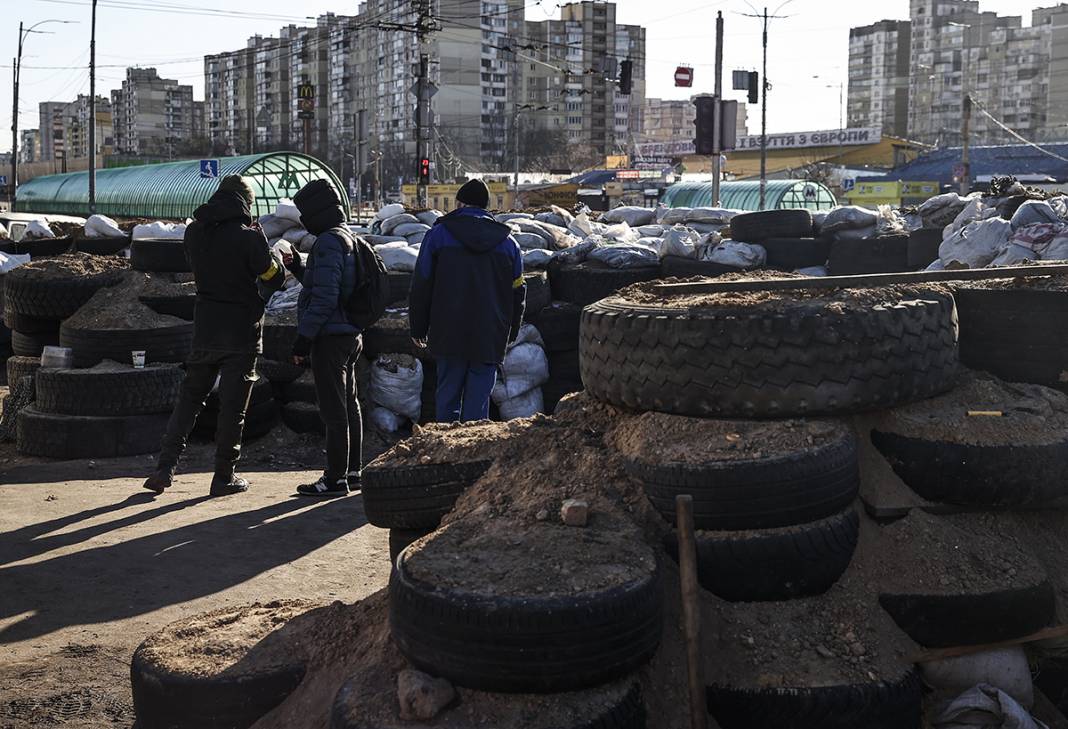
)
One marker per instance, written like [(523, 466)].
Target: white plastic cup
[(138, 358)]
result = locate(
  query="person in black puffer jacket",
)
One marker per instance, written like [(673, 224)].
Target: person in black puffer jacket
[(231, 260)]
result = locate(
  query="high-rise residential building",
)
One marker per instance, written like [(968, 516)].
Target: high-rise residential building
[(50, 125), (153, 116), (672, 120), (29, 146), (1053, 22), (228, 101), (879, 58), (64, 129)]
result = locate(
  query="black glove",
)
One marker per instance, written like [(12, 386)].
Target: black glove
[(302, 346), (295, 266)]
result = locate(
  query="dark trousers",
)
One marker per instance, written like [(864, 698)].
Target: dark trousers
[(333, 362), (236, 374), (464, 389)]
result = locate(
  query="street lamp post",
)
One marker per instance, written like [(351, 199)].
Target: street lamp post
[(15, 101), (966, 114)]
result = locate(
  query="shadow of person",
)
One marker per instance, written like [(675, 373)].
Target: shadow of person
[(144, 574)]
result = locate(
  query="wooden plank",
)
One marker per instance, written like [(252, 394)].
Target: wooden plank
[(938, 654), (857, 282), (691, 614)]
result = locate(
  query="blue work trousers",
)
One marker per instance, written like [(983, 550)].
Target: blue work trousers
[(464, 389)]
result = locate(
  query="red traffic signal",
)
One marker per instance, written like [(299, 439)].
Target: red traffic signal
[(424, 170)]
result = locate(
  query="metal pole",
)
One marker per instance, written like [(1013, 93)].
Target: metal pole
[(251, 131), (764, 120), (965, 131), (420, 122), (717, 171), (15, 124), (92, 114), (359, 163), (515, 180)]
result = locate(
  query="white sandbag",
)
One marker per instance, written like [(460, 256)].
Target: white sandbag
[(529, 241), (625, 256), (307, 242), (813, 271), (553, 219), (1056, 249), (159, 229), (1004, 668), (101, 226), (680, 241), (386, 421), (969, 214), (556, 236), (704, 228), (391, 224), (285, 299), (565, 215), (936, 265), (416, 239), (912, 221), (579, 252), (890, 221), (940, 210), (1013, 254), (527, 405), (507, 217), (632, 215), (985, 707), (652, 231), (377, 240), (528, 334), (429, 217), (849, 217), (737, 254), (275, 227), (294, 235), (536, 258), (287, 209), (397, 384), (976, 245), (389, 211), (717, 216), (10, 261), (406, 229), (1035, 211), (525, 367), (398, 256), (38, 230), (854, 234), (622, 233), (672, 216), (818, 219), (580, 226)]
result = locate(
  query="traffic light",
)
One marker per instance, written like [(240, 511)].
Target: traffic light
[(705, 141), (754, 87), (424, 170), (626, 70)]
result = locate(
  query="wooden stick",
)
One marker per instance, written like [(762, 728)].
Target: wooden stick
[(857, 282), (938, 654), (691, 611)]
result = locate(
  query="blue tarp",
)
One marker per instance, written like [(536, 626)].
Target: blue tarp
[(1009, 159)]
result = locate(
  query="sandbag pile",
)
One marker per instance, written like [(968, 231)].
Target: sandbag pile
[(525, 369)]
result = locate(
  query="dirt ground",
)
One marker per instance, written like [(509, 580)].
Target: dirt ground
[(91, 564)]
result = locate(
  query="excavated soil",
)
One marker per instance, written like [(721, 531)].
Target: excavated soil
[(830, 301), (164, 286), (118, 307), (545, 559), (1035, 283), (71, 265), (658, 438), (285, 317), (242, 637), (1030, 414), (393, 320), (454, 442)]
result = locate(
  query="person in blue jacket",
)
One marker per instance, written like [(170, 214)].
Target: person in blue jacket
[(466, 302), (325, 333)]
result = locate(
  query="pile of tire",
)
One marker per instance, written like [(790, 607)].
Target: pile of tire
[(5, 336), (776, 525), (788, 237), (585, 283), (260, 417), (103, 411), (558, 324)]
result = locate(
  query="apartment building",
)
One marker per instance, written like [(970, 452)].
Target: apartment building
[(672, 120), (879, 57), (64, 129), (153, 116), (29, 146)]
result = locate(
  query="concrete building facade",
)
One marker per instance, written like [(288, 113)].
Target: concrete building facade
[(29, 146), (672, 120), (879, 57), (154, 117)]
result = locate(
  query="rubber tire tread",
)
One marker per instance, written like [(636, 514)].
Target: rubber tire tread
[(82, 436), (766, 224), (179, 306), (582, 284), (19, 367), (164, 700), (399, 539), (278, 371), (163, 255), (756, 363), (109, 246), (415, 497), (559, 325), (378, 341), (565, 365), (302, 417), (679, 267), (260, 419), (884, 254), (945, 621), (789, 254), (530, 644), (162, 344), (776, 564), (400, 284), (976, 475), (768, 493), (56, 298), (883, 705), (539, 293), (44, 247), (278, 340), (30, 324), (32, 345), (131, 392)]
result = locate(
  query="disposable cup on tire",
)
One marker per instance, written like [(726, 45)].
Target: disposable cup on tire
[(138, 356)]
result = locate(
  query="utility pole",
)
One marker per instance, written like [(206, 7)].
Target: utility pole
[(965, 132), (717, 165), (92, 114), (360, 162), (15, 123), (422, 148), (515, 180), (764, 120)]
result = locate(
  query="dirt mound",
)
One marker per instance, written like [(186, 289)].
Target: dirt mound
[(659, 438), (71, 265), (118, 307), (164, 286), (455, 442), (1030, 414)]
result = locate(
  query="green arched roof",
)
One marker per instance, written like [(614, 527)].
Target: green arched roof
[(745, 195), (174, 189)]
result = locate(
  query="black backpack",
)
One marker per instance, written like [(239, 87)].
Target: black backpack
[(369, 299)]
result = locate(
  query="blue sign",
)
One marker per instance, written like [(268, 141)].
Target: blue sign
[(3, 180), (848, 183), (209, 169)]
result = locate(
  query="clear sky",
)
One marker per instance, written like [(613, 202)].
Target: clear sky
[(807, 58)]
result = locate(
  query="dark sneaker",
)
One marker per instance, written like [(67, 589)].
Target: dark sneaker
[(353, 480), (235, 485), (324, 489), (159, 481)]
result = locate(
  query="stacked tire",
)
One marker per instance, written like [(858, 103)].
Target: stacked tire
[(558, 324), (260, 417), (100, 412), (775, 523), (786, 235)]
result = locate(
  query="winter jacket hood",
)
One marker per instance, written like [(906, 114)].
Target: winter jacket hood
[(475, 229), (320, 207), (224, 206)]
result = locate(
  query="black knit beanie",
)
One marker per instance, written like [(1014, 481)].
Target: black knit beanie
[(320, 207), (474, 192)]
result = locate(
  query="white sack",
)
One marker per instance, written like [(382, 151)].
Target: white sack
[(1012, 254), (652, 231), (580, 226), (632, 215), (813, 271), (294, 235), (397, 384), (287, 209), (985, 707), (536, 258), (1035, 211), (680, 241), (391, 224), (630, 255), (969, 214), (101, 226), (385, 420), (530, 241), (38, 229), (890, 221), (159, 229), (622, 233), (377, 240), (428, 217), (527, 405), (976, 245), (715, 216), (940, 210), (307, 242), (672, 216), (389, 211), (406, 229), (275, 227), (849, 217), (507, 217), (553, 219), (416, 239), (10, 261), (398, 256), (1006, 669), (525, 368), (1056, 249), (737, 254)]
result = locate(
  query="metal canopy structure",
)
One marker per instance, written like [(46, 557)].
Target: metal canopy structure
[(175, 189), (745, 195)]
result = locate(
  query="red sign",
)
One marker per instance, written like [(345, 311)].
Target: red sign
[(627, 174), (684, 76)]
